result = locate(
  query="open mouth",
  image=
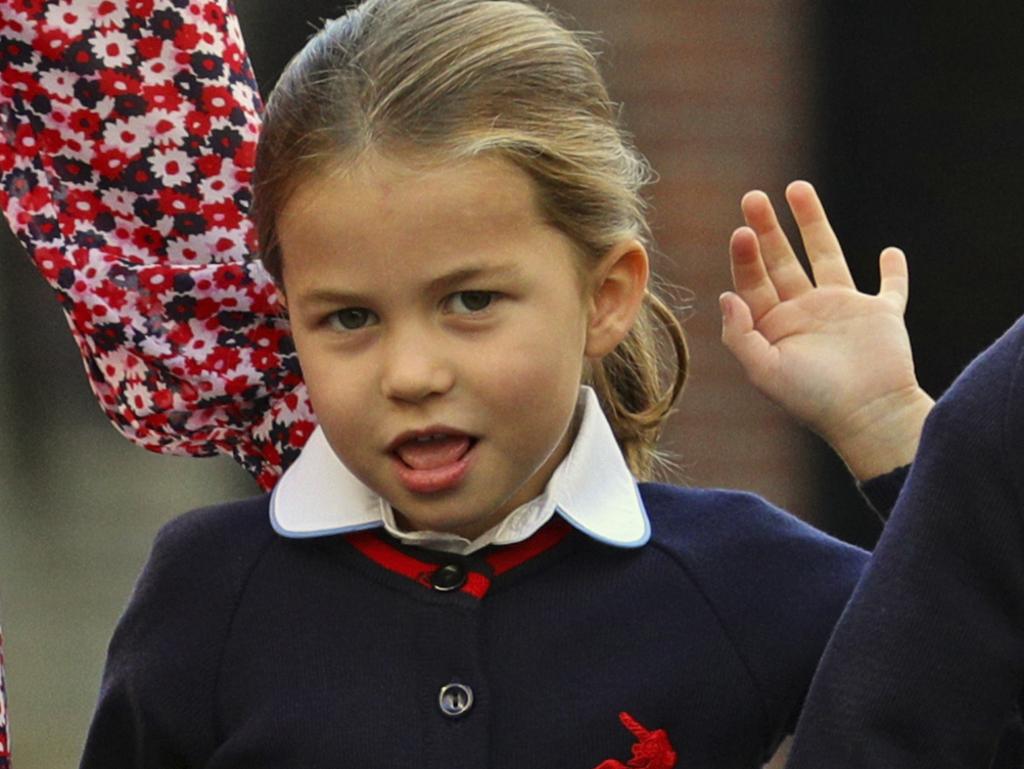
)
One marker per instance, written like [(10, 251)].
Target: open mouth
[(431, 462)]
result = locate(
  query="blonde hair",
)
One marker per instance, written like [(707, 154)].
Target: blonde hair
[(458, 79)]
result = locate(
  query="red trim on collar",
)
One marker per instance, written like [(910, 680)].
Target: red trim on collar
[(391, 558), (476, 585), (501, 560), (550, 534)]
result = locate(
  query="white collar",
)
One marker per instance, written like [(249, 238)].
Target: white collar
[(592, 489)]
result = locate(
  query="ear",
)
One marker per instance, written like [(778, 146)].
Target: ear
[(618, 294)]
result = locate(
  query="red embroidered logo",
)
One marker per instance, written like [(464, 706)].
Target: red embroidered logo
[(652, 749)]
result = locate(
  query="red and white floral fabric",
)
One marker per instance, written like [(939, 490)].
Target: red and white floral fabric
[(5, 742), (128, 132)]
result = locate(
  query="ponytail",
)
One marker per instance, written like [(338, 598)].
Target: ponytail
[(635, 391)]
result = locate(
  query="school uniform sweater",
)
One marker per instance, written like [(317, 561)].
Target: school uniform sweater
[(244, 649), (926, 668)]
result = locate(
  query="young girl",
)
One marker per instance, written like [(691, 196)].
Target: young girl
[(462, 570), (461, 245)]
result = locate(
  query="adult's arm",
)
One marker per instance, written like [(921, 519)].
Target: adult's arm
[(927, 663), (130, 132)]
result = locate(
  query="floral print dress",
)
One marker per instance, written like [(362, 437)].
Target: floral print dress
[(5, 743), (129, 132)]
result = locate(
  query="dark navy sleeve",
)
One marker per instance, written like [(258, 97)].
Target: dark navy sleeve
[(157, 700), (882, 491), (927, 664), (776, 585)]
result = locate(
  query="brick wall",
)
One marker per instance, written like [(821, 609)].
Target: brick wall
[(718, 96)]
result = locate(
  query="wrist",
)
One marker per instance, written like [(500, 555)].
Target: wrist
[(884, 434)]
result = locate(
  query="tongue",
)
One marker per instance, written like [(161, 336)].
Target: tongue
[(432, 454)]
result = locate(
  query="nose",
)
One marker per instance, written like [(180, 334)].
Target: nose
[(415, 367)]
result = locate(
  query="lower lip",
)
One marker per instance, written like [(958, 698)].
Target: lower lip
[(437, 480)]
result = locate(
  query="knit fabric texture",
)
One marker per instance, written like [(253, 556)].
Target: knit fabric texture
[(241, 648), (926, 668)]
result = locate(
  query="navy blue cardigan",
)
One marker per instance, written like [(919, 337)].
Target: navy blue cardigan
[(926, 668), (244, 649)]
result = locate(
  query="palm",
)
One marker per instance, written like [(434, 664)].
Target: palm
[(831, 351), (822, 350)]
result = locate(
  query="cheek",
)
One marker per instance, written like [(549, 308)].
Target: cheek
[(536, 369), (347, 418), (337, 389)]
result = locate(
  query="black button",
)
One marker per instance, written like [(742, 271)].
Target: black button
[(455, 700), (448, 578)]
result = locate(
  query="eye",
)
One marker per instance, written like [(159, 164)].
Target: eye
[(469, 302), (352, 319)]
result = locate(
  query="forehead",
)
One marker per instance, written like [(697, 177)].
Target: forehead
[(388, 205)]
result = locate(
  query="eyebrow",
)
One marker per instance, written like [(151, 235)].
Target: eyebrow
[(469, 274), (441, 283)]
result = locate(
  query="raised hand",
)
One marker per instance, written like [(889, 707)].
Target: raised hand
[(837, 359)]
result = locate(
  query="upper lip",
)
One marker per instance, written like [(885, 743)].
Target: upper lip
[(425, 432)]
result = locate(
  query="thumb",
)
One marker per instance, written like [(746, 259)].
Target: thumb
[(895, 278)]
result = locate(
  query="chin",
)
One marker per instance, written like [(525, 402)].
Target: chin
[(446, 519)]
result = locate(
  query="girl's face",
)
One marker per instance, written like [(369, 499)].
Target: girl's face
[(442, 326)]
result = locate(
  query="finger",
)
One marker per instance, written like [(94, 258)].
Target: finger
[(823, 250), (747, 344), (749, 276), (895, 282), (785, 271)]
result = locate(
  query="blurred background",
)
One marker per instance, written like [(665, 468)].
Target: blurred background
[(909, 122)]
